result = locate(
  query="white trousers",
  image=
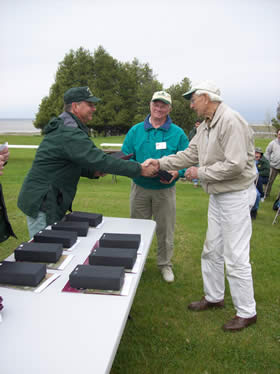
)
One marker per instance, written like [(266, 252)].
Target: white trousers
[(227, 245)]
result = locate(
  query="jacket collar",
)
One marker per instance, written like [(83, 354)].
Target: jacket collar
[(70, 118), (218, 114), (148, 126)]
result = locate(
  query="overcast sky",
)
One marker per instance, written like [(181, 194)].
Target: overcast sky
[(232, 42)]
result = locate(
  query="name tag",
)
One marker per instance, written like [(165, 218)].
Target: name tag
[(161, 145)]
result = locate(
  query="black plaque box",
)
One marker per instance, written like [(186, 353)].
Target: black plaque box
[(125, 257), (38, 252), (97, 277), (66, 238), (94, 219), (113, 240), (81, 228), (163, 174), (22, 273), (120, 154)]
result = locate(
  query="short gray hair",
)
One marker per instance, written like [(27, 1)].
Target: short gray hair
[(68, 107), (212, 96)]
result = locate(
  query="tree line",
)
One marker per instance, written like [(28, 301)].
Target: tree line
[(276, 121), (125, 89)]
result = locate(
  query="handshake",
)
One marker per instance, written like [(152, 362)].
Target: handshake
[(149, 168)]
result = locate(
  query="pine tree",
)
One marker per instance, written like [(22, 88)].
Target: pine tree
[(125, 90), (181, 113)]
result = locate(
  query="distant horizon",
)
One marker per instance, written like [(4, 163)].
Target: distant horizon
[(17, 118), (32, 119), (247, 116)]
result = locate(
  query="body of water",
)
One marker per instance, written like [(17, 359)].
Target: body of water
[(18, 126)]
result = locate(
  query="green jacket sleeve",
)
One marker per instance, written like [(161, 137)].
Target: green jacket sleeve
[(81, 150)]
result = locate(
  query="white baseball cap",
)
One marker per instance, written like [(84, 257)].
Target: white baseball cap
[(204, 87), (162, 96)]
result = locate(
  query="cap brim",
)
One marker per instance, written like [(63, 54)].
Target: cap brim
[(164, 101), (93, 99), (189, 94)]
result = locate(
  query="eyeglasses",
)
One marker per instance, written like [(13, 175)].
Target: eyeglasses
[(193, 99)]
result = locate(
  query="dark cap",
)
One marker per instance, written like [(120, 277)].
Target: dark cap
[(259, 150), (76, 94)]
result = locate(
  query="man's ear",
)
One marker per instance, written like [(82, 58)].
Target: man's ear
[(74, 107), (206, 98)]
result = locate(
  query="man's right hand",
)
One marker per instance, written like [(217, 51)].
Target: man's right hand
[(148, 171), (152, 162), (4, 155)]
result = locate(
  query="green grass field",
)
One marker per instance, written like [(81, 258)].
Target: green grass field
[(163, 336)]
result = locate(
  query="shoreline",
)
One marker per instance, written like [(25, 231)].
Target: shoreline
[(23, 133), (18, 126)]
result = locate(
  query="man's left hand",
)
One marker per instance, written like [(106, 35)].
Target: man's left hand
[(99, 174), (192, 173), (175, 174)]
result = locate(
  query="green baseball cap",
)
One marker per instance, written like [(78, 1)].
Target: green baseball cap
[(259, 150), (76, 94)]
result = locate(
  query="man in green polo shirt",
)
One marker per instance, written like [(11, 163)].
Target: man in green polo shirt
[(157, 136), (66, 154)]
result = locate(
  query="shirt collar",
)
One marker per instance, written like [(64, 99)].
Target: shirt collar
[(148, 126)]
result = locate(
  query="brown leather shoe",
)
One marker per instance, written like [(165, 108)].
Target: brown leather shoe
[(203, 304), (239, 323)]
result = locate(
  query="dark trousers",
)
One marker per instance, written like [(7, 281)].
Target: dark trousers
[(273, 174), (261, 181)]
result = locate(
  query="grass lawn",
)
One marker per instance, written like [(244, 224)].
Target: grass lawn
[(163, 336)]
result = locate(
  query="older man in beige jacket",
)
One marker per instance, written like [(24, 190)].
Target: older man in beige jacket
[(224, 149)]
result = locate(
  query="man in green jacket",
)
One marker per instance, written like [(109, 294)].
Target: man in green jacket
[(193, 131), (263, 166), (65, 154)]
